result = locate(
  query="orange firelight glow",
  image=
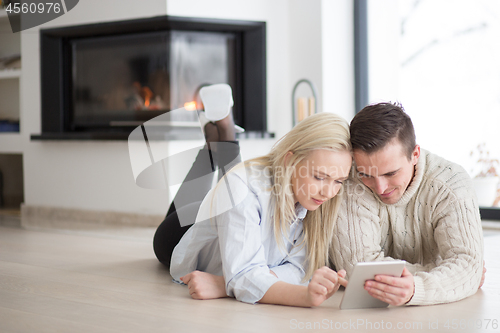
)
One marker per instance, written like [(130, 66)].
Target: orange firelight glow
[(190, 106), (147, 96)]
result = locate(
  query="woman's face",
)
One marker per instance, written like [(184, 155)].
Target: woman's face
[(319, 177)]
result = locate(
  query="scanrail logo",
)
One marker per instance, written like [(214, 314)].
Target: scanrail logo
[(26, 14)]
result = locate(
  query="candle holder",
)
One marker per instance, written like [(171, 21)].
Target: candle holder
[(304, 108)]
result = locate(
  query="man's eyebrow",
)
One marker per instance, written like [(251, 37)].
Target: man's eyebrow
[(391, 172), (385, 174)]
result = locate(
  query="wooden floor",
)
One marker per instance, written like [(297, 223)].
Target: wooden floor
[(110, 281)]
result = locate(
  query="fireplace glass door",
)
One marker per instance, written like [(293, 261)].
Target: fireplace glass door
[(121, 81)]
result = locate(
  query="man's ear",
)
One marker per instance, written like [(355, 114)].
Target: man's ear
[(415, 155)]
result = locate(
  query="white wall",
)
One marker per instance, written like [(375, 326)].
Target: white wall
[(305, 47), (96, 175), (321, 49), (337, 27), (383, 51), (93, 175)]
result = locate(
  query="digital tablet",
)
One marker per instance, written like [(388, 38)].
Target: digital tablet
[(355, 295)]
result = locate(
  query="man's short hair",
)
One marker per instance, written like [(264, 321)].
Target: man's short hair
[(376, 125)]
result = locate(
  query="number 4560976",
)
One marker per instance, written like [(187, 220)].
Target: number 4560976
[(17, 8)]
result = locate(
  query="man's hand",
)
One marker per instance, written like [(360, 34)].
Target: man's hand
[(393, 290), (324, 283), (203, 285), (484, 274)]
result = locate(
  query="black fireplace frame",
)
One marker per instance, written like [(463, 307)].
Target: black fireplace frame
[(55, 70)]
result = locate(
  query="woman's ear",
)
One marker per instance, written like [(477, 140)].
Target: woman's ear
[(287, 156)]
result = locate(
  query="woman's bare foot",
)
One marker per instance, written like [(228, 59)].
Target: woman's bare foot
[(204, 285)]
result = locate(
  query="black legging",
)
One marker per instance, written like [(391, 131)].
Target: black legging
[(190, 195)]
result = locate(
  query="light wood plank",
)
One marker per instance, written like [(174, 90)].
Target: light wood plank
[(52, 281), (21, 321)]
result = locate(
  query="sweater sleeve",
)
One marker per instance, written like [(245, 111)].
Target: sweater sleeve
[(452, 267), (458, 236)]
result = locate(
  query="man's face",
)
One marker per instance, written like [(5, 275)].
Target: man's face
[(387, 172)]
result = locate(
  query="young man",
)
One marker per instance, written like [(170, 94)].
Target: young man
[(405, 203)]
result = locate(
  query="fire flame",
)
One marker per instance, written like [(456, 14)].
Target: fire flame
[(147, 95), (190, 106)]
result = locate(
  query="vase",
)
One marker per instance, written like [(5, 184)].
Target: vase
[(486, 190)]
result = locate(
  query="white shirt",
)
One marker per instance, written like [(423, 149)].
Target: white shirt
[(239, 243)]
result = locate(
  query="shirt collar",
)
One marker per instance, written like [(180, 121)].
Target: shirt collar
[(300, 211)]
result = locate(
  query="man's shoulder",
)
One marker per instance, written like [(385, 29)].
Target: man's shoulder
[(445, 174), (442, 169)]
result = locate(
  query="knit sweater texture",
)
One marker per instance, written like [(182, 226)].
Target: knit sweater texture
[(435, 227)]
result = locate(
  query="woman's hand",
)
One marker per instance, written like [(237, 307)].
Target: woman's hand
[(324, 283), (203, 285)]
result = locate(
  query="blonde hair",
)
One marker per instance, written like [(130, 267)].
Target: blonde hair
[(320, 131)]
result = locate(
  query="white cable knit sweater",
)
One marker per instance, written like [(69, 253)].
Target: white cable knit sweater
[(435, 227)]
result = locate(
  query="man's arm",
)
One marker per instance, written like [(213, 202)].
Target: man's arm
[(459, 239), (457, 233)]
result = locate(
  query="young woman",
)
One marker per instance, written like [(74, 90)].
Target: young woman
[(263, 233)]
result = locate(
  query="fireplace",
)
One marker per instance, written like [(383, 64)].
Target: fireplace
[(100, 81)]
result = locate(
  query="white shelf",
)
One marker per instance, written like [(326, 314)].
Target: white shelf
[(10, 74), (11, 142)]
